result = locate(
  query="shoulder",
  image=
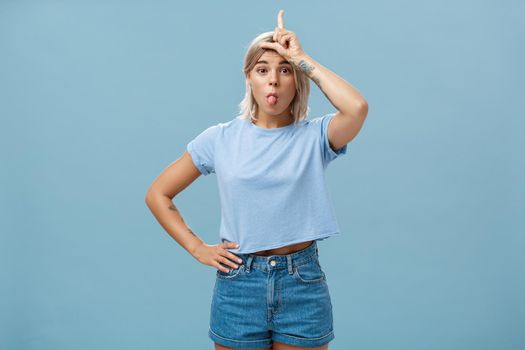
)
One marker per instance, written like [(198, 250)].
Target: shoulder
[(220, 127), (228, 124), (321, 121), (318, 125)]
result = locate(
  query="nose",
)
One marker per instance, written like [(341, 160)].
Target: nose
[(274, 78)]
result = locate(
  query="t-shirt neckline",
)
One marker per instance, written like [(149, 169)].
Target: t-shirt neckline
[(269, 130)]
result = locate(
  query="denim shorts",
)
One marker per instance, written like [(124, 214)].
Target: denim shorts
[(279, 297)]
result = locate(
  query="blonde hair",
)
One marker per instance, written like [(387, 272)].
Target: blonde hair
[(248, 106)]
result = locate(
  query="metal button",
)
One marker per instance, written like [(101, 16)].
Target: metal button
[(272, 262)]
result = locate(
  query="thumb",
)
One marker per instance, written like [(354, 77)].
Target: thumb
[(232, 245)]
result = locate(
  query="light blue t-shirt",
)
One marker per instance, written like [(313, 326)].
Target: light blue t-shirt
[(271, 181)]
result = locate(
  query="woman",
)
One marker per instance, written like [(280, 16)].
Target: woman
[(270, 163)]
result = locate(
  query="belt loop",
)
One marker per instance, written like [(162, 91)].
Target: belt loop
[(249, 263), (316, 249), (290, 266)]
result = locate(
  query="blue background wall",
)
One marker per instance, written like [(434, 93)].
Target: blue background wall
[(98, 97)]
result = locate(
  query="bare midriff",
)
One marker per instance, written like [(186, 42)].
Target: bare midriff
[(284, 250)]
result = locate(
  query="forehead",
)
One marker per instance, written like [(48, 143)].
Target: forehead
[(272, 57)]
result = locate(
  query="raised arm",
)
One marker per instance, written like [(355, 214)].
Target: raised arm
[(352, 108)]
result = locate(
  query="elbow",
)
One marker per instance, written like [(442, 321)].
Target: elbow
[(363, 109), (153, 196), (149, 197)]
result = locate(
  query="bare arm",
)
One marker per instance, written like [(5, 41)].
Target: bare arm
[(352, 108), (175, 178)]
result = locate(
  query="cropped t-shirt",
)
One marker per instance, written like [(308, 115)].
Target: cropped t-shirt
[(271, 181)]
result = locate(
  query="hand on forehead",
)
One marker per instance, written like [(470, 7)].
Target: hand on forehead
[(284, 42)]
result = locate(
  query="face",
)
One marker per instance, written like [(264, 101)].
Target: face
[(272, 74)]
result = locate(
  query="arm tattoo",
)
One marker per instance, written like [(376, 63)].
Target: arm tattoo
[(318, 82), (190, 231), (305, 67), (174, 208)]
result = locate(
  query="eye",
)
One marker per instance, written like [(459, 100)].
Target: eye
[(286, 70)]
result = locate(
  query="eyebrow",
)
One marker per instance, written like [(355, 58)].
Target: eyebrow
[(282, 62)]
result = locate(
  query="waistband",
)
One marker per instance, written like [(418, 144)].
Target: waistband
[(273, 262)]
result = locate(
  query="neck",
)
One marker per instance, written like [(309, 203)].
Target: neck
[(273, 121)]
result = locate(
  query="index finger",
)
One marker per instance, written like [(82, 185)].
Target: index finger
[(280, 20)]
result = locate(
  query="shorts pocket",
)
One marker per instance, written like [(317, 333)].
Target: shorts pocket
[(232, 274), (309, 272)]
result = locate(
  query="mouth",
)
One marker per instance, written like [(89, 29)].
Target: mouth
[(272, 98)]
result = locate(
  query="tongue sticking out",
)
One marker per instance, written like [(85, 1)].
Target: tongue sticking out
[(271, 100)]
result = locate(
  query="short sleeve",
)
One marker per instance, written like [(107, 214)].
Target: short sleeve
[(202, 150), (328, 153)]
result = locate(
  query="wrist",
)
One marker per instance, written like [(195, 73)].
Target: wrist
[(304, 56), (195, 247), (305, 64), (300, 58)]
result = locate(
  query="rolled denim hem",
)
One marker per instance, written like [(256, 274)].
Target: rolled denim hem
[(303, 342), (241, 344)]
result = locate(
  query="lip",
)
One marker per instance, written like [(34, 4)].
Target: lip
[(272, 94)]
